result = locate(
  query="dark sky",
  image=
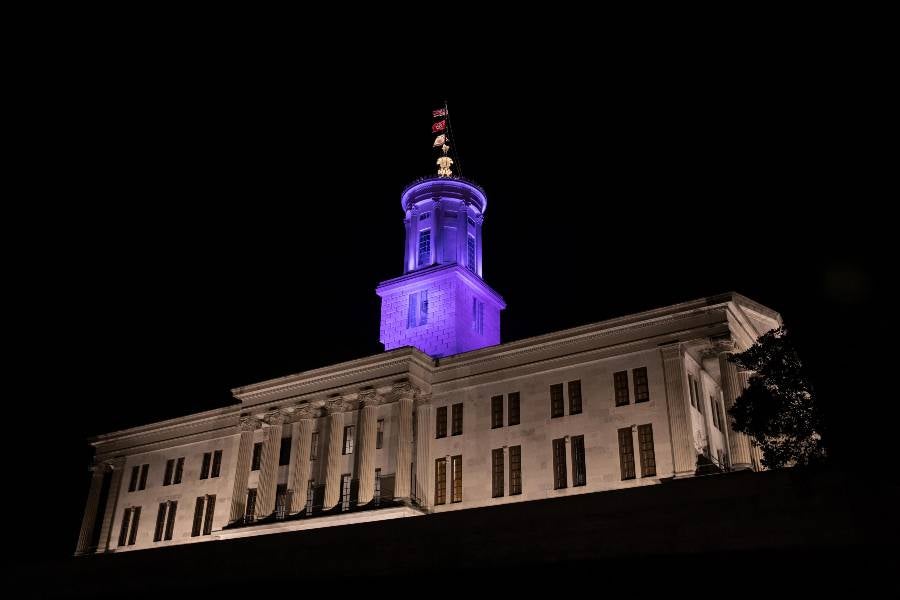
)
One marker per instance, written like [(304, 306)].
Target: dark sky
[(208, 224)]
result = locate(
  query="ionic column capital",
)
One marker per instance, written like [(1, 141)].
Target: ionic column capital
[(248, 423), (423, 400)]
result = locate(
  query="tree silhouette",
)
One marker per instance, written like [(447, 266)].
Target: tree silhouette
[(778, 410)]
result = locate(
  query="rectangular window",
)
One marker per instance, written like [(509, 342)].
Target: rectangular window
[(456, 492), (441, 425), (423, 307), (440, 481), (314, 446), (513, 400), (579, 472), (345, 492), (250, 513), (160, 521), (620, 382), (515, 470), (142, 484), (210, 513), (123, 530), (496, 412), (310, 493), (284, 453), (715, 413), (470, 254), (348, 439), (556, 400), (379, 434), (204, 466), (281, 500), (575, 397), (497, 484), (721, 416), (170, 519), (424, 247), (560, 479), (376, 494), (411, 311), (626, 453), (257, 456), (199, 507), (457, 419), (477, 316), (217, 463), (179, 470), (170, 468), (132, 483), (424, 216), (648, 455), (135, 521), (641, 388), (692, 387)]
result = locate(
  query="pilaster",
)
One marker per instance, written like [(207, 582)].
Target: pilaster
[(684, 456)]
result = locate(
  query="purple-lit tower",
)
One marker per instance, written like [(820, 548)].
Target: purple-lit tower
[(441, 305)]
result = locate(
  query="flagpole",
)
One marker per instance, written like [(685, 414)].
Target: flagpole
[(453, 145)]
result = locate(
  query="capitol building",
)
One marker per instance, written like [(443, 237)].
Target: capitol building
[(447, 418)]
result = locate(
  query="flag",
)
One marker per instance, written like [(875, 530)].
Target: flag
[(441, 112), (439, 126), (439, 140)]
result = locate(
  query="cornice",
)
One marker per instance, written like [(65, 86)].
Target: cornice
[(170, 425), (422, 276)]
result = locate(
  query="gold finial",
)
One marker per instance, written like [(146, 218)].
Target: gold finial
[(444, 163)]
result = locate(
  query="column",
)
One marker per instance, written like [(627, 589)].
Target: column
[(333, 456), (299, 475), (268, 468), (402, 473), (112, 498), (90, 511), (424, 467), (684, 455), (732, 387), (368, 422), (242, 469)]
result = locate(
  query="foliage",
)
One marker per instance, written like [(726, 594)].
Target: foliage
[(778, 410)]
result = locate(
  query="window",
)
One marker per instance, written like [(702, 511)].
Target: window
[(721, 416), (497, 484), (314, 446), (379, 434), (626, 453), (513, 400), (698, 395), (641, 389), (284, 453), (457, 419), (715, 413), (217, 463), (376, 494), (477, 316), (620, 382), (559, 464), (471, 221), (440, 481), (257, 456), (310, 494), (348, 439), (210, 513), (197, 527), (282, 499), (692, 386), (648, 455), (424, 247), (556, 400), (575, 397), (496, 412), (250, 513), (345, 492), (165, 520), (470, 253), (132, 483), (204, 466), (142, 484), (579, 472), (418, 309), (457, 490), (515, 470), (174, 471), (130, 520), (441, 425), (424, 216)]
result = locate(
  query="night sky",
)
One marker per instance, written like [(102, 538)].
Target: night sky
[(206, 228)]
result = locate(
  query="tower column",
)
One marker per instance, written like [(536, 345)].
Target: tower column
[(268, 473), (404, 447), (90, 511), (242, 469), (112, 498), (368, 422), (684, 455), (732, 387), (424, 420), (299, 475), (333, 456)]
